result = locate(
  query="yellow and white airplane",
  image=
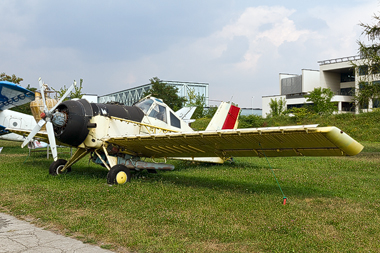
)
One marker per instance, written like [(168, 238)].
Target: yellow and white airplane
[(120, 137)]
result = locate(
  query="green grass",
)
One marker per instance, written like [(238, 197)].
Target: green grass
[(333, 204)]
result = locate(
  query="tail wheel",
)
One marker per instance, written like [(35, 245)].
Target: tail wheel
[(57, 166), (119, 174)]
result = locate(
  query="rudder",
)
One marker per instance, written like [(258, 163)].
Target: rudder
[(226, 117)]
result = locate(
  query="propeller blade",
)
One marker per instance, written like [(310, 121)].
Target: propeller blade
[(64, 96), (53, 145), (42, 89), (34, 132)]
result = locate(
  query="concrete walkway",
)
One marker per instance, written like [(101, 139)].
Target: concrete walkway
[(21, 236)]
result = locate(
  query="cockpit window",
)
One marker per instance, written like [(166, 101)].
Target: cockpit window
[(159, 112), (174, 121), (144, 105)]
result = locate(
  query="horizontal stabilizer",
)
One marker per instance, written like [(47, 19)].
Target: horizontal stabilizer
[(186, 113)]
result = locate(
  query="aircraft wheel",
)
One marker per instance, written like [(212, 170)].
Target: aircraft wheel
[(119, 174), (57, 166)]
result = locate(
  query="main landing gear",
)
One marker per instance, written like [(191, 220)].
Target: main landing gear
[(56, 168), (118, 174), (119, 165)]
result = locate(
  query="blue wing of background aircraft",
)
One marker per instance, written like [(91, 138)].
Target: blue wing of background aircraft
[(3, 131), (12, 95)]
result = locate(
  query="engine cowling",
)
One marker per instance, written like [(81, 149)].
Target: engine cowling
[(72, 118), (74, 130)]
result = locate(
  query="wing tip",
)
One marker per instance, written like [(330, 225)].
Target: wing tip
[(345, 142)]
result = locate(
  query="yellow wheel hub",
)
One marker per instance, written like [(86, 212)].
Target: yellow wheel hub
[(121, 177)]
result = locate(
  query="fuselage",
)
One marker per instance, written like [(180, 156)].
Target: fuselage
[(84, 124), (16, 120)]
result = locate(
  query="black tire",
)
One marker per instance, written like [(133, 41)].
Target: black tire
[(57, 166), (119, 174)]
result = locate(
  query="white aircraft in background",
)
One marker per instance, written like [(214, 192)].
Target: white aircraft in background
[(12, 95), (121, 137)]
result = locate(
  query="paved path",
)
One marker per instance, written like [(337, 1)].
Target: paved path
[(21, 236)]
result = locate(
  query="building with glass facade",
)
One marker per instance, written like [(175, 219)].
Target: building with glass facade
[(132, 95)]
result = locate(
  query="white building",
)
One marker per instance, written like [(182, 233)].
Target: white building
[(336, 74)]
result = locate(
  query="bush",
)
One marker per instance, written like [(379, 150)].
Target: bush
[(251, 121), (200, 124)]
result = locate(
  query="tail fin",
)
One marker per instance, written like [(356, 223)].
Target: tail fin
[(226, 117)]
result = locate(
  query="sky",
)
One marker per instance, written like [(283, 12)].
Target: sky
[(238, 47)]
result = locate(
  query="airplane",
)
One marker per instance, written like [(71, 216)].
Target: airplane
[(120, 137), (12, 95)]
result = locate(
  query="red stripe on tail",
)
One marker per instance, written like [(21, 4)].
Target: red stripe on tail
[(231, 118)]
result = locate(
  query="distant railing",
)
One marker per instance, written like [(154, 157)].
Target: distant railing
[(338, 60)]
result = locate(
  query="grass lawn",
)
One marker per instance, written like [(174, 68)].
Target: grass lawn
[(333, 204)]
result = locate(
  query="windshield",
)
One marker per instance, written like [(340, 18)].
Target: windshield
[(144, 105), (158, 112)]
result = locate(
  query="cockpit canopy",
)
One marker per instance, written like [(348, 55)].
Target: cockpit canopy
[(156, 108)]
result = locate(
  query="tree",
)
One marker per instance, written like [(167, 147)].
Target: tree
[(165, 92), (13, 78), (300, 114), (369, 65), (277, 107), (321, 99), (367, 92), (77, 93), (210, 112), (199, 102)]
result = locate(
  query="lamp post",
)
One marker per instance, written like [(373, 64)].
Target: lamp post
[(252, 104)]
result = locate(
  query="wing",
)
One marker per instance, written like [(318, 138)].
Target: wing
[(12, 95), (41, 135), (278, 141)]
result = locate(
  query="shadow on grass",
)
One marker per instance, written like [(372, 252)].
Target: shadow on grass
[(262, 181), (244, 187)]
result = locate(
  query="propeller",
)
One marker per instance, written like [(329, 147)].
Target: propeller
[(46, 118)]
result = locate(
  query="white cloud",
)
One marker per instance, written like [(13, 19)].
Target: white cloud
[(257, 24), (238, 50), (343, 30)]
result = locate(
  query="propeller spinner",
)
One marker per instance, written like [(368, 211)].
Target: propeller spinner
[(46, 118)]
